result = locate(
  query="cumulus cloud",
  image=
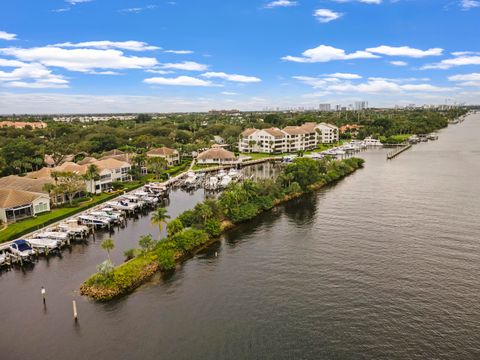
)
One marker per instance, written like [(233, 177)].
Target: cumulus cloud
[(131, 45), (325, 53), (472, 79), (229, 93), (179, 52), (81, 60), (405, 51), (346, 76), (280, 3), (186, 66), (7, 36), (75, 2), (231, 77), (453, 62), (399, 63), (469, 4), (326, 15), (29, 75), (178, 81), (362, 1)]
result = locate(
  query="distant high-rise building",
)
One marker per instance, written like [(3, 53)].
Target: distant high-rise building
[(338, 107), (324, 107), (361, 105)]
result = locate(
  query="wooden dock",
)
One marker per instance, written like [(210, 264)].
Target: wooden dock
[(395, 153)]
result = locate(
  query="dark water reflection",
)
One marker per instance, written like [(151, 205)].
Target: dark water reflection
[(383, 265)]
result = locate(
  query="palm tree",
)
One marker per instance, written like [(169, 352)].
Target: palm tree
[(108, 245), (92, 174), (160, 217)]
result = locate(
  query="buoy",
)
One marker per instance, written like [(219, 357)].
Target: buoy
[(43, 292)]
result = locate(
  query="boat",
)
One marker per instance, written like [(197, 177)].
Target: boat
[(211, 183), (72, 228), (44, 243), (22, 249), (226, 180), (93, 220), (122, 205), (112, 217), (234, 174), (413, 139), (432, 136), (4, 257), (369, 141), (61, 237)]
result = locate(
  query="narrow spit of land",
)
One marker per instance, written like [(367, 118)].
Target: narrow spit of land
[(198, 228)]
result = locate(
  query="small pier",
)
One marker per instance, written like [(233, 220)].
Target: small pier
[(395, 153)]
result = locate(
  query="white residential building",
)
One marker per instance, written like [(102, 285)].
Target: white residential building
[(290, 139)]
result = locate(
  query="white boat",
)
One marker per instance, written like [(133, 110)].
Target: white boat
[(53, 235), (226, 180), (4, 257), (234, 174), (44, 243), (211, 183), (221, 174), (72, 228), (22, 249), (122, 205), (113, 217), (95, 221), (369, 141)]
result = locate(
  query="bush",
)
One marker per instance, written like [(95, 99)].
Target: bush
[(129, 254), (213, 227)]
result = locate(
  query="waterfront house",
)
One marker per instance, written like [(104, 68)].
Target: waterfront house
[(216, 155), (110, 171), (171, 155), (18, 204)]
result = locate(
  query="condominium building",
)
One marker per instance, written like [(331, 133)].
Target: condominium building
[(289, 139)]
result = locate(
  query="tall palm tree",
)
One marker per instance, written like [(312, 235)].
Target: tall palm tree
[(92, 174), (160, 217), (108, 245)]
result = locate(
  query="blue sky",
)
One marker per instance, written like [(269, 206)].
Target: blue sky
[(151, 55)]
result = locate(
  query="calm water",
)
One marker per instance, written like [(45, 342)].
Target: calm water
[(384, 265)]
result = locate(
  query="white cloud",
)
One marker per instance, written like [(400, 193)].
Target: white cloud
[(75, 2), (405, 51), (186, 66), (399, 63), (229, 93), (158, 71), (371, 86), (326, 15), (280, 3), (362, 1), (138, 10), (178, 81), (457, 61), (7, 36), (469, 4), (82, 60), (131, 45), (346, 76), (179, 52), (231, 77), (466, 79), (325, 53), (31, 75)]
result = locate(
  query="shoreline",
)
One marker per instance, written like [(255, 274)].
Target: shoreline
[(148, 264)]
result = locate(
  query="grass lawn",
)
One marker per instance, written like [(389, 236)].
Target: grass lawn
[(22, 227)]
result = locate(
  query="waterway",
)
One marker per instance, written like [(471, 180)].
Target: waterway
[(383, 265)]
